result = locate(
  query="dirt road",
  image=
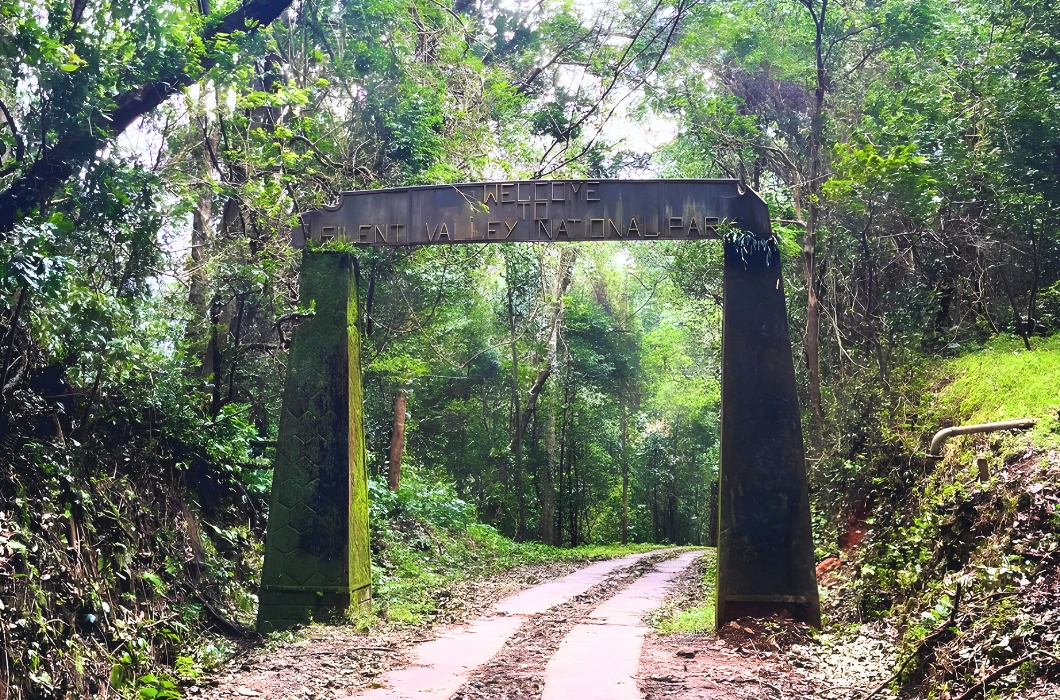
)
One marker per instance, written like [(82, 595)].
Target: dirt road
[(580, 634)]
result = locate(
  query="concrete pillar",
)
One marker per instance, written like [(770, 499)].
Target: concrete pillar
[(316, 548), (765, 545)]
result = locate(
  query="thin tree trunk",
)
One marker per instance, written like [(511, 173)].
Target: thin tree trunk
[(397, 441), (565, 489), (1032, 304), (9, 340), (575, 500), (200, 222), (214, 358), (671, 497), (517, 432), (564, 279), (548, 489), (623, 409), (1020, 327), (809, 239), (712, 511), (655, 509)]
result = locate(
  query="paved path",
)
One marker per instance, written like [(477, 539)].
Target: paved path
[(441, 666), (597, 660)]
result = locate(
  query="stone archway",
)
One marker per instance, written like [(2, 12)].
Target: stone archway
[(317, 560)]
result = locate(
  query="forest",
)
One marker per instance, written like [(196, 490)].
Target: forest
[(525, 405)]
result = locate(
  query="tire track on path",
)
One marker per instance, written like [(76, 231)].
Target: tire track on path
[(440, 667), (599, 659), (518, 669)]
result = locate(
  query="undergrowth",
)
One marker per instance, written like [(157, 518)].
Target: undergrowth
[(425, 538), (984, 519), (693, 610)]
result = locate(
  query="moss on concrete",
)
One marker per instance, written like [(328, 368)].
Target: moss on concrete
[(316, 548)]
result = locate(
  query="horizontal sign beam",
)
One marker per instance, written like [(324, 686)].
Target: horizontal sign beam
[(537, 211)]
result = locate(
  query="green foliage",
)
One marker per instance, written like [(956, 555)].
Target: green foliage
[(868, 184), (426, 540), (1003, 381), (697, 617), (139, 411)]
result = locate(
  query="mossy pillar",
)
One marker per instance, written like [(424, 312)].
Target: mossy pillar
[(765, 545), (316, 548)]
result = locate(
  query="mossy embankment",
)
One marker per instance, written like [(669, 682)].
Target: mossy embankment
[(123, 574), (1004, 381), (949, 535)]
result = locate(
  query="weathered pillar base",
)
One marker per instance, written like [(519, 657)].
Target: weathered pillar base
[(316, 549), (281, 609)]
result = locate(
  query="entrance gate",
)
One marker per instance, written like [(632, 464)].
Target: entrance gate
[(317, 560)]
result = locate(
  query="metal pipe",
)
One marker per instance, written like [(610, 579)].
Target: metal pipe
[(946, 433)]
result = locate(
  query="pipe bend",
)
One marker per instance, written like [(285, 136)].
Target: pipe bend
[(946, 433)]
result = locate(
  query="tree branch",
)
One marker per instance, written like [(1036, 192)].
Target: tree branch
[(59, 163)]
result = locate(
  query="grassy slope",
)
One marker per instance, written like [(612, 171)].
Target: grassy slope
[(1004, 381), (989, 535)]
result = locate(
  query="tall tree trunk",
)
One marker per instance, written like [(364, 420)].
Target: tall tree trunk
[(712, 513), (397, 441), (671, 487), (548, 489), (200, 222), (655, 508), (214, 358), (565, 489), (623, 412), (574, 501), (564, 279), (1021, 328), (1032, 303), (517, 431), (809, 239)]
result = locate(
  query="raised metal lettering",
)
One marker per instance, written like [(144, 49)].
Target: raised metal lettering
[(439, 230), (594, 222), (473, 212)]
